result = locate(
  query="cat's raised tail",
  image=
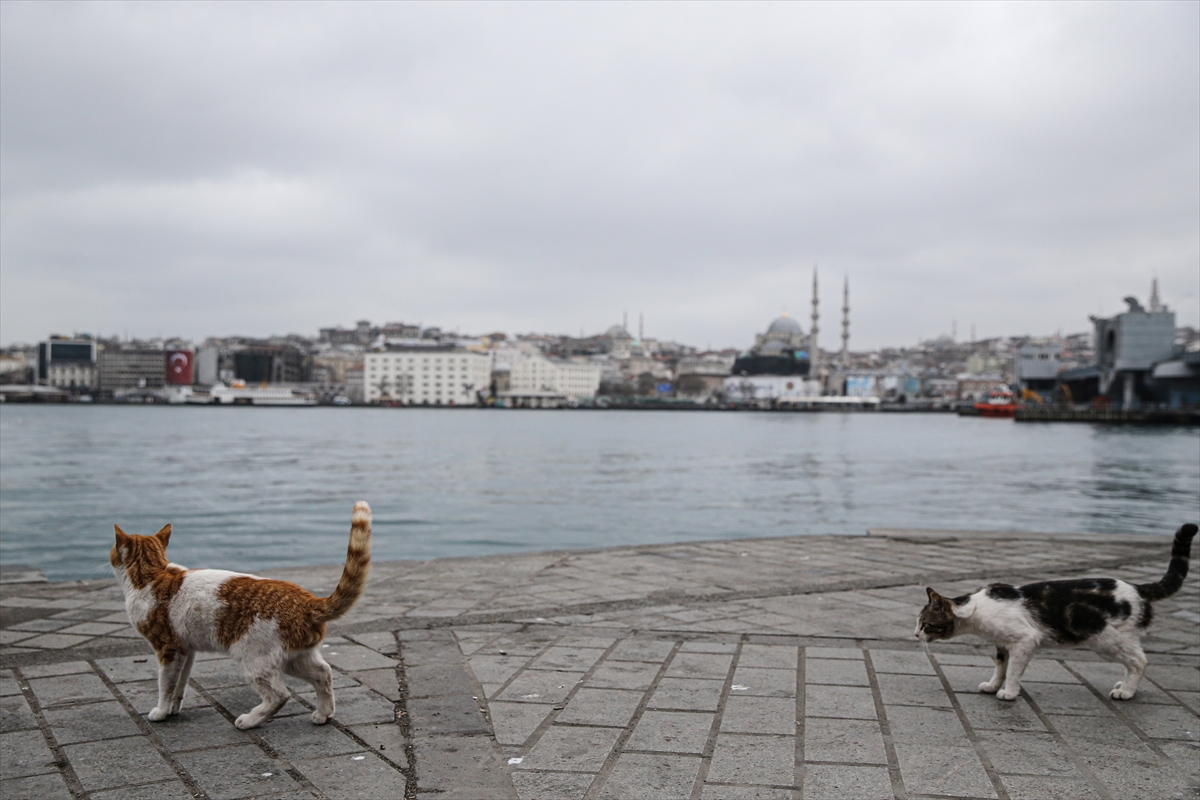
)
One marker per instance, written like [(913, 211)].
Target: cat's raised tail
[(1176, 571), (354, 574)]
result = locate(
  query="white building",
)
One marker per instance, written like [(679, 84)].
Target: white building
[(434, 376), (535, 373), (771, 387)]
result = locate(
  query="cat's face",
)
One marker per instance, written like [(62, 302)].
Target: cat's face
[(937, 618)]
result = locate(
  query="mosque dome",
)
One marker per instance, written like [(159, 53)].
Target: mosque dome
[(773, 347), (784, 325), (617, 332)]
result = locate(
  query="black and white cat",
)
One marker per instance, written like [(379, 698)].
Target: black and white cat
[(1106, 614)]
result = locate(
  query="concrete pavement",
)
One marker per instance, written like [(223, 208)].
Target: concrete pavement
[(765, 668)]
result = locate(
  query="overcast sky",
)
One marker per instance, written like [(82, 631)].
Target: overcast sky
[(218, 169)]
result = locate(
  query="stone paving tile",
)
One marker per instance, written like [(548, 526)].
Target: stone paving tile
[(513, 723), (847, 702), (352, 777), (49, 670), (238, 771), (652, 650), (718, 792), (844, 740), (165, 790), (741, 758), (609, 707), (69, 689), (764, 682), (117, 762), (95, 721), (15, 714), (651, 777), (25, 753), (535, 686), (572, 748), (551, 785), (1039, 788), (943, 770), (759, 715), (671, 732), (843, 672), (846, 782), (48, 786), (690, 694), (623, 675)]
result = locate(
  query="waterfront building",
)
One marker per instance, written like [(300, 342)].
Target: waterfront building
[(432, 375), (537, 373), (272, 363), (1036, 365), (1137, 361), (121, 370), (67, 364)]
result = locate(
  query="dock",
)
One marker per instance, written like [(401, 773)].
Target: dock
[(771, 668)]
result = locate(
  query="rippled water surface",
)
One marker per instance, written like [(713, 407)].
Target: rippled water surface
[(253, 488)]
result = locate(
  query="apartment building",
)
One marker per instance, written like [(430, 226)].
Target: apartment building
[(535, 373), (435, 376)]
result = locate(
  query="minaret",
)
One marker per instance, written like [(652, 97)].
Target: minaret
[(846, 324), (814, 349), (1155, 303), (641, 326)]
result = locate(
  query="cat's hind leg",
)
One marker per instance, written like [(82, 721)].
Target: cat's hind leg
[(267, 680), (309, 666), (1018, 659), (170, 664), (992, 686), (1125, 648)]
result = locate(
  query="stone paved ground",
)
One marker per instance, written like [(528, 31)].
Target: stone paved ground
[(772, 668)]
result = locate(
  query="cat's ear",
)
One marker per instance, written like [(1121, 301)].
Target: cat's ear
[(122, 536), (164, 535), (931, 593)]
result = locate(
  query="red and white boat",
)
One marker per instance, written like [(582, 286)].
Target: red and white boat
[(1000, 403)]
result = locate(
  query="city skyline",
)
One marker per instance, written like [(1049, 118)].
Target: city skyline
[(200, 170)]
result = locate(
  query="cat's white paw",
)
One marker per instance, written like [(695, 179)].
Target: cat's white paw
[(987, 687), (319, 719), (1007, 694), (245, 722), (157, 714), (1119, 693)]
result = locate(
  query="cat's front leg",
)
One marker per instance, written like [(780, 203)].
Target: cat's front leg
[(1018, 658), (997, 680), (169, 666), (185, 670)]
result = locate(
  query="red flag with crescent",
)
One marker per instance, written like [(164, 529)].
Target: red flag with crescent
[(179, 367)]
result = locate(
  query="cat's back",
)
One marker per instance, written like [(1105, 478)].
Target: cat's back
[(196, 606)]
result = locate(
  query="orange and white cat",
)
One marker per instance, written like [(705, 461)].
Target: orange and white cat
[(273, 628)]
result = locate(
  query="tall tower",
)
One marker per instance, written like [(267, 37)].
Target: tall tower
[(814, 348), (641, 326), (1155, 303), (846, 324)]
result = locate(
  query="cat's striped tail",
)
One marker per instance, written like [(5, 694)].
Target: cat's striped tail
[(354, 574), (1176, 571)]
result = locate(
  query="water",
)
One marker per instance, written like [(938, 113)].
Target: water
[(254, 488)]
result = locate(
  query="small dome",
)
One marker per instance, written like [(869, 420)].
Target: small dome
[(784, 325), (773, 347)]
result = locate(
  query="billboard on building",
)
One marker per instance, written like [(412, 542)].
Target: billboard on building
[(179, 367), (860, 386)]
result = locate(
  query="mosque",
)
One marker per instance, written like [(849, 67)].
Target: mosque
[(785, 363)]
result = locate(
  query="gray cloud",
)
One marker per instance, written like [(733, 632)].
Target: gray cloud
[(205, 169)]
